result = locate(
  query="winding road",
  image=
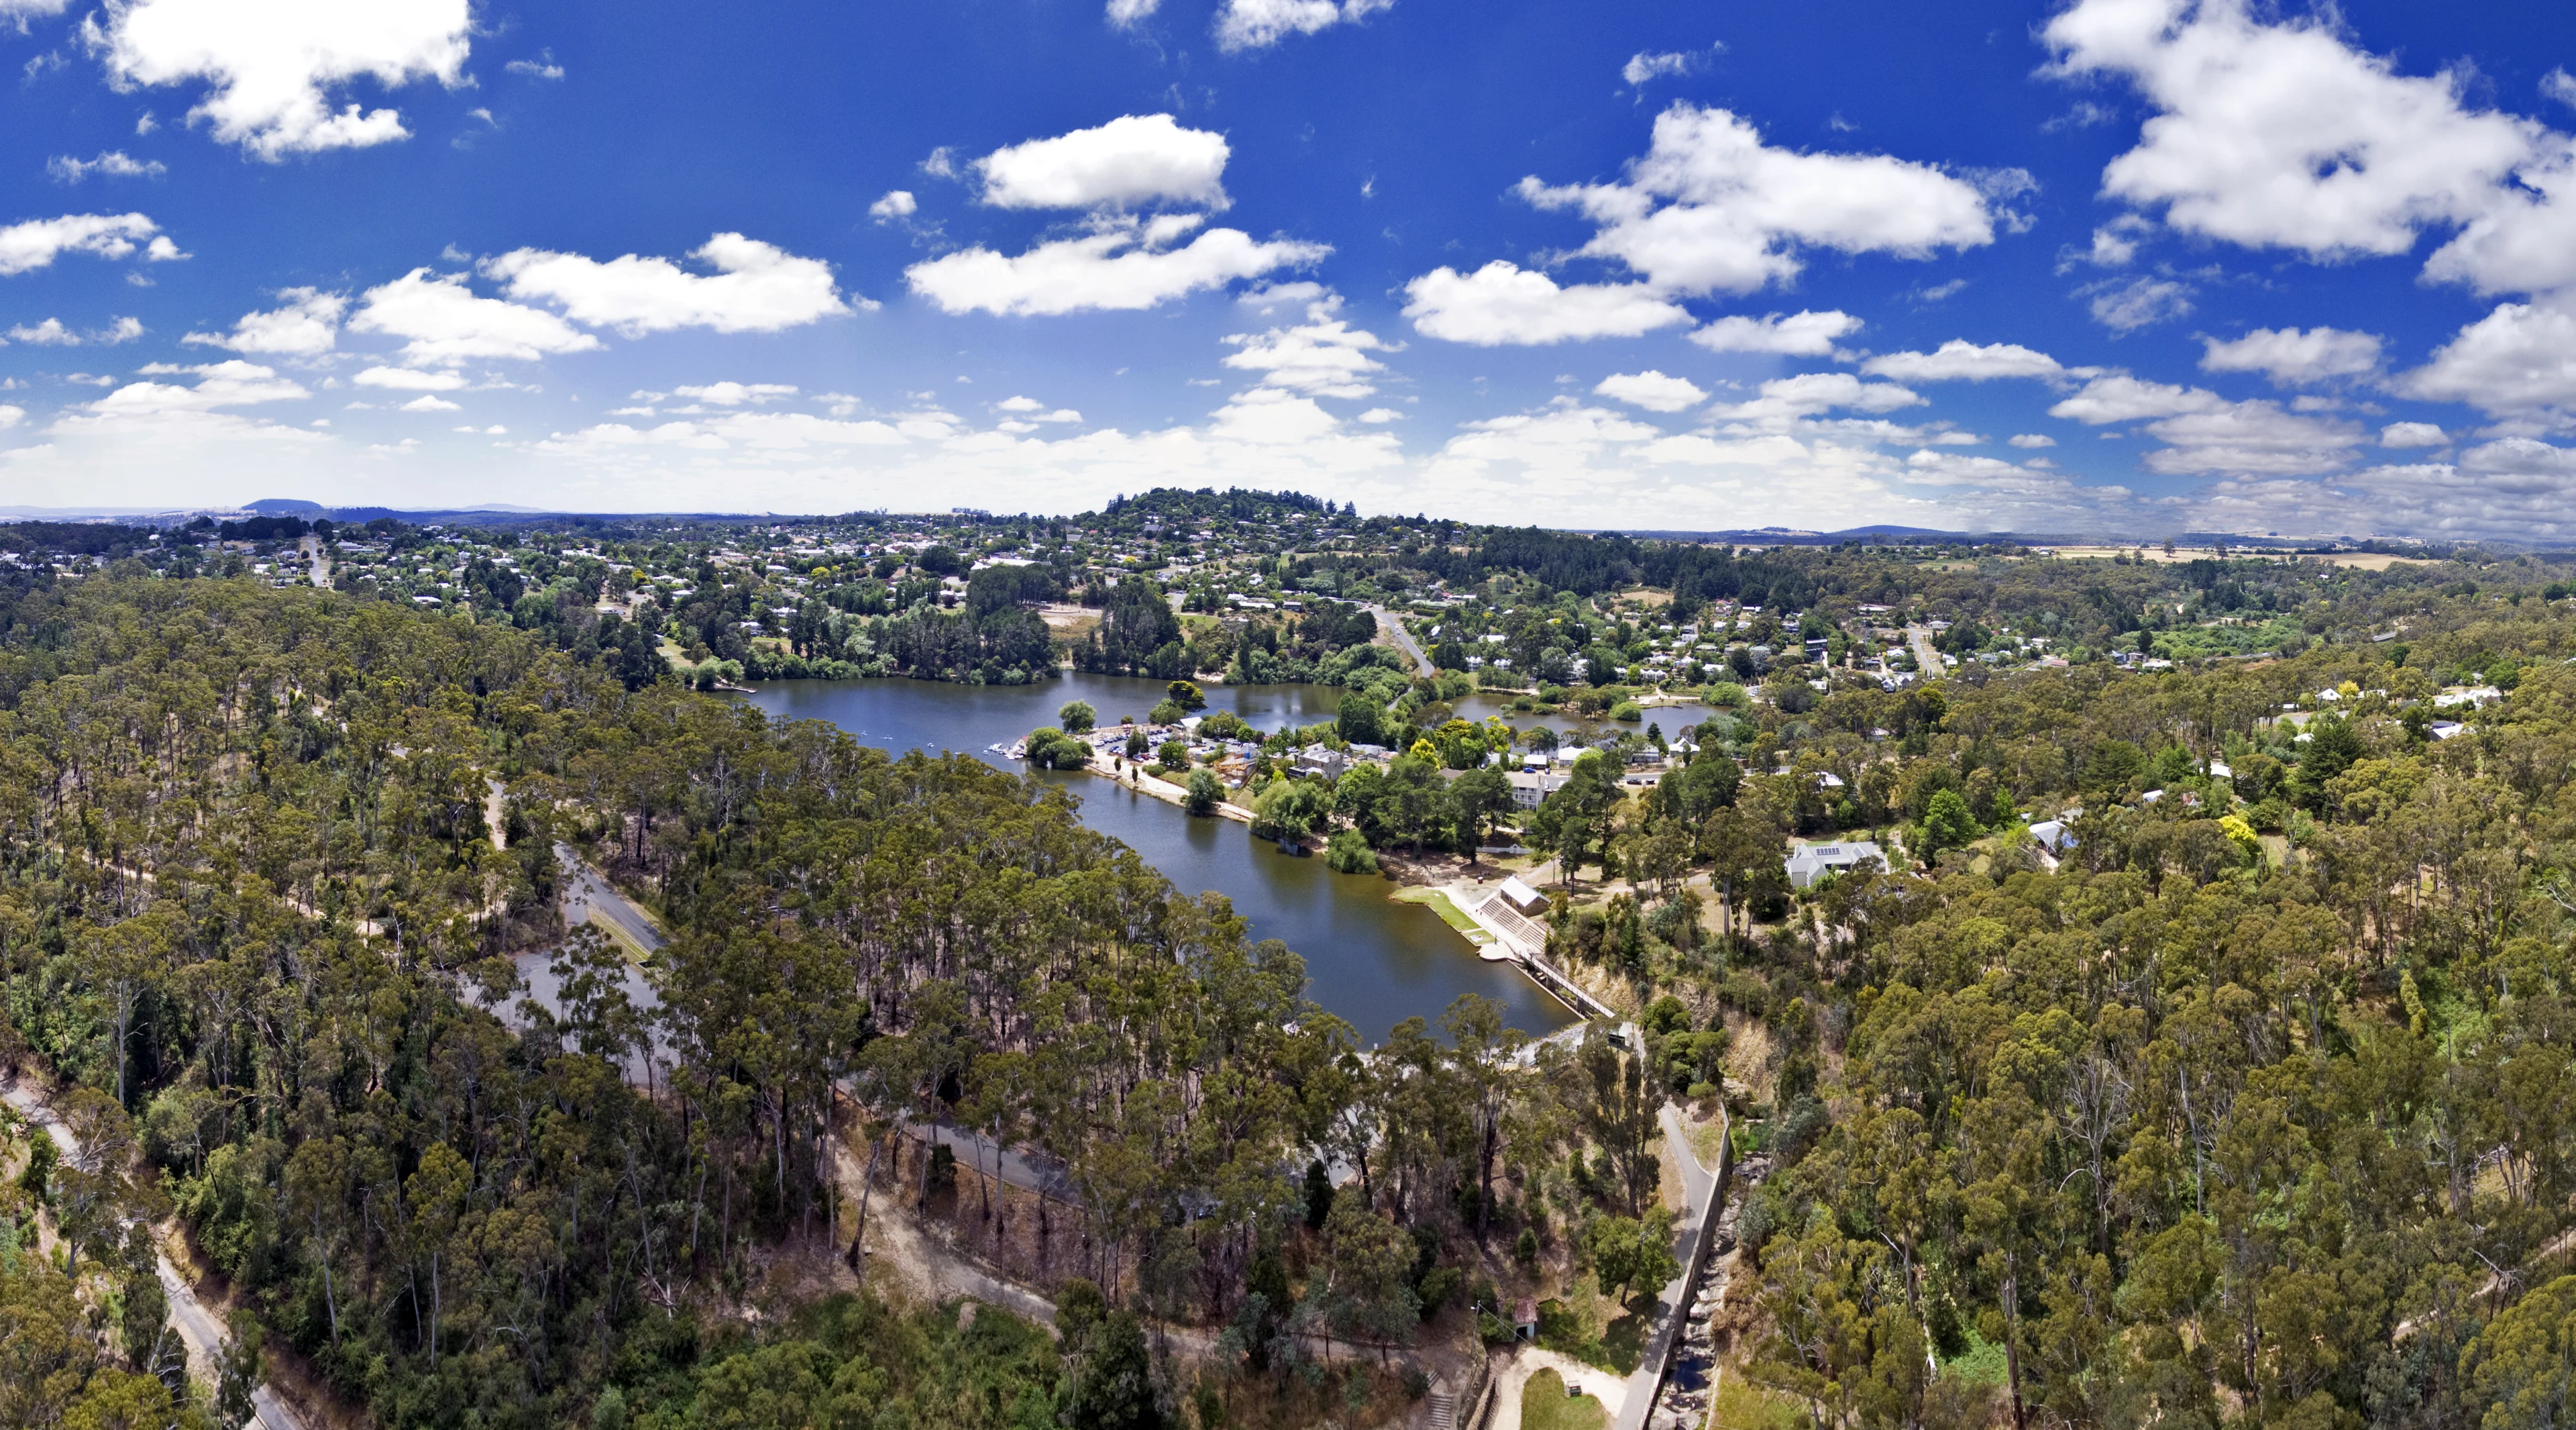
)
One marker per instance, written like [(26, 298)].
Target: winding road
[(197, 1326), (587, 896), (1388, 622)]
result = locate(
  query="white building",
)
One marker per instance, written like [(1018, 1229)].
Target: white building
[(1530, 788), (1810, 862), (2051, 835), (1525, 901)]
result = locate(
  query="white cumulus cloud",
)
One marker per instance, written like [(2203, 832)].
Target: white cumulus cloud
[(37, 242), (2293, 356), (2412, 434), (428, 403), (447, 323), (1504, 303), (1324, 357), (753, 431), (2518, 361), (2249, 437), (268, 66), (1651, 390), (2279, 133), (114, 164), (1786, 399), (2140, 302), (1123, 263), (1711, 208), (230, 383), (1258, 24), (737, 394), (307, 325), (53, 333), (1803, 334), (1959, 360), (409, 379), (2206, 434), (2119, 397), (1130, 160), (1644, 65), (897, 203), (757, 288)]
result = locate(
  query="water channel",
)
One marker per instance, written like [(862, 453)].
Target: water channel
[(1370, 960)]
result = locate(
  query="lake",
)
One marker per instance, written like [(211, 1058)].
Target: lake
[(1372, 961)]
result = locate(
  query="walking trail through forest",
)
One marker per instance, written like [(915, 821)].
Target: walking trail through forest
[(203, 1334)]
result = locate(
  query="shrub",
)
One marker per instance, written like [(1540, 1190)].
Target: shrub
[(1438, 1287), (1205, 792), (1348, 853), (1053, 749)]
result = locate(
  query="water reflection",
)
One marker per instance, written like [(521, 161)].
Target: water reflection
[(1371, 961)]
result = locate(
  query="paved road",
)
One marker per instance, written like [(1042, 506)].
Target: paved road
[(1699, 1188), (1387, 622), (321, 561), (587, 896), (1034, 1172), (198, 1329), (1920, 637)]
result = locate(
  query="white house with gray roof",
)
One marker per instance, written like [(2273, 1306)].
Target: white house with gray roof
[(1810, 862)]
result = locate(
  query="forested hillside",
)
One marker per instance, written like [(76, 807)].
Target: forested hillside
[(251, 898), (2247, 1106)]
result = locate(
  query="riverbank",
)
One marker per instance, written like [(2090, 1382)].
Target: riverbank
[(1430, 882), (1370, 960), (1135, 778)]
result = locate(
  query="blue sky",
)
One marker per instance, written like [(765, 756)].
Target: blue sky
[(2129, 266)]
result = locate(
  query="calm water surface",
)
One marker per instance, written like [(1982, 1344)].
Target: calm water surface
[(1369, 960)]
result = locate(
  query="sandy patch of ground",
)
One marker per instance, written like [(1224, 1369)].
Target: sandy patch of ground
[(1528, 1360)]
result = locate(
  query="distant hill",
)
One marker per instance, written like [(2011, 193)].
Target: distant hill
[(1790, 536)]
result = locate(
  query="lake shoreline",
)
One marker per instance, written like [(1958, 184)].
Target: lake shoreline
[(1371, 961)]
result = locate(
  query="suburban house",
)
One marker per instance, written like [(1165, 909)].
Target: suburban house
[(1530, 787), (1319, 762), (1810, 862)]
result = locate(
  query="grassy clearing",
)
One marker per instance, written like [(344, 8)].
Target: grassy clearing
[(1707, 1139), (1448, 910), (1546, 1406), (1593, 1329), (1741, 1405)]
